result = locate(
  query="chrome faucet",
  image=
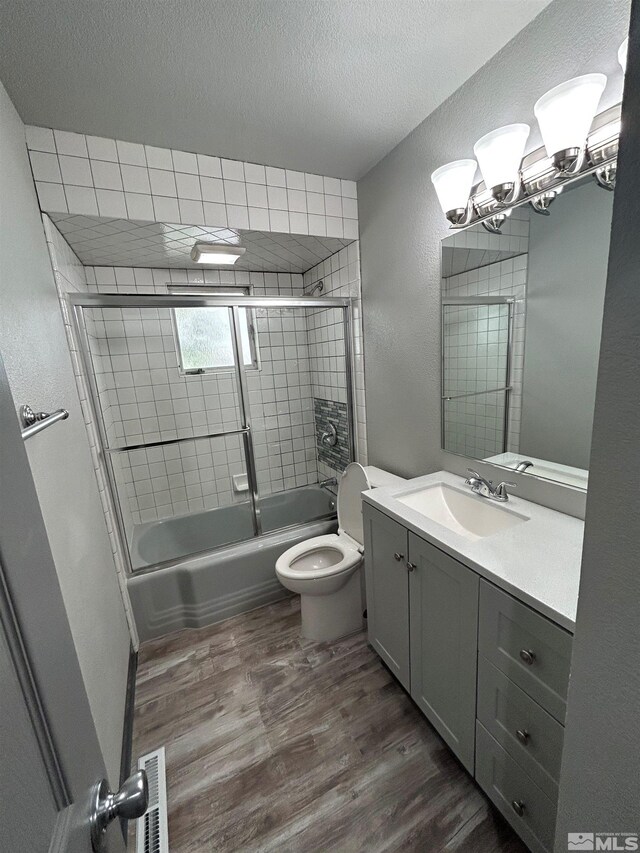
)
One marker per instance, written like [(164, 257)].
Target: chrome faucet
[(485, 488), (521, 467), (332, 481)]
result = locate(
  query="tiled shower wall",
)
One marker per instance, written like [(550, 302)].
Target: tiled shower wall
[(475, 345), (93, 176)]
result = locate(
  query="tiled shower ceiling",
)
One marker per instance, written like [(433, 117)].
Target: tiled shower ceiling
[(98, 241)]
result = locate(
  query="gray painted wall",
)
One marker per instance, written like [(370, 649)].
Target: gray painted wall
[(566, 279), (600, 778), (38, 365), (401, 225)]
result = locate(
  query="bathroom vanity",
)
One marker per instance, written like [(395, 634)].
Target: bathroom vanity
[(471, 604)]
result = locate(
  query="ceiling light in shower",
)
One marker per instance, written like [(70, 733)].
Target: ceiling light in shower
[(499, 156), (565, 114), (622, 55), (453, 184), (216, 254)]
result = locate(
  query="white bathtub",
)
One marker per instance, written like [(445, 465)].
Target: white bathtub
[(199, 590)]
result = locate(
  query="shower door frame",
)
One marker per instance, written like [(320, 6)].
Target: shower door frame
[(79, 301), (507, 388)]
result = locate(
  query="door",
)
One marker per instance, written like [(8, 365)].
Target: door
[(386, 556), (444, 644), (50, 753)]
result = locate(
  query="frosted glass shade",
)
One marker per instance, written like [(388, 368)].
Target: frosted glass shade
[(565, 112), (453, 184), (500, 153), (622, 54)]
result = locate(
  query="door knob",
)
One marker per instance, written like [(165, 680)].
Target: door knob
[(411, 566), (130, 802), (399, 557), (523, 736), (518, 807), (527, 656)]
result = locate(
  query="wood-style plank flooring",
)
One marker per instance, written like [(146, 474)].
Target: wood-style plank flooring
[(277, 743)]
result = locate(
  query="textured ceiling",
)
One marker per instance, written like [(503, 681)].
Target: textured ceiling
[(321, 86), (122, 243)]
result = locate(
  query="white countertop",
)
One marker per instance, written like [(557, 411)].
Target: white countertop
[(537, 561)]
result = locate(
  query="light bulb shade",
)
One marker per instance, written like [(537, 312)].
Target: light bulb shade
[(565, 112), (453, 184), (622, 55), (500, 154)]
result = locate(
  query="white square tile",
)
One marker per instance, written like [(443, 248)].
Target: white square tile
[(45, 167), (101, 148), (350, 229), (188, 186), (40, 139), (232, 170), (212, 189), (333, 205), (279, 220), (131, 153), (257, 195), (51, 197), (215, 214), (191, 212), (70, 143), (275, 177), (332, 186), (349, 208), (349, 189), (111, 203), (277, 197), (238, 217), (314, 183), (297, 200), (254, 173), (158, 158), (209, 166), (139, 206), (106, 175), (82, 200), (315, 203), (295, 180), (75, 170), (234, 192), (162, 182), (259, 218), (317, 225), (334, 226), (165, 209), (184, 161), (135, 178), (298, 223)]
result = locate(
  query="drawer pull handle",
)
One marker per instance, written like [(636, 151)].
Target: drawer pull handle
[(410, 567), (518, 807), (523, 736), (527, 656), (398, 557)]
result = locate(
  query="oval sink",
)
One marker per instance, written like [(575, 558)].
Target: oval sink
[(468, 515)]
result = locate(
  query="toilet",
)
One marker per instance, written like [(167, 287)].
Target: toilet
[(326, 571)]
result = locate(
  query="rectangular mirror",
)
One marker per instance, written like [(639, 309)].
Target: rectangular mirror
[(521, 324)]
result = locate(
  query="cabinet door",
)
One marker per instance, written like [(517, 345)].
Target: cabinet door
[(385, 559), (444, 644)]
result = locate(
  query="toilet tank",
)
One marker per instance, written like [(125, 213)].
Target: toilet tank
[(379, 478)]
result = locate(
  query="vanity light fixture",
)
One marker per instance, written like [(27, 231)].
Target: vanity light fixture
[(565, 114), (494, 223), (622, 55), (453, 183), (217, 254), (541, 202), (499, 155)]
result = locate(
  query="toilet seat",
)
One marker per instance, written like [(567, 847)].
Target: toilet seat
[(304, 560)]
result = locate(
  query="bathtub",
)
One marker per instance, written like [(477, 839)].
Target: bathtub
[(199, 589)]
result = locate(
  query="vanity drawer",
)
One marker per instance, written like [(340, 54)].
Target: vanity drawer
[(531, 813), (527, 732), (530, 649)]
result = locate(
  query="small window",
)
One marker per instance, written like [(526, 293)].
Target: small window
[(204, 340)]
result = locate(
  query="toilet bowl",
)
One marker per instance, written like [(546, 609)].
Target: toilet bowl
[(326, 571)]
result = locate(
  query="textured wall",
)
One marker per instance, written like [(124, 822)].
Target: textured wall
[(38, 364), (600, 781), (401, 226)]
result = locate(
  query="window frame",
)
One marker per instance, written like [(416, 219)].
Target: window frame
[(222, 290)]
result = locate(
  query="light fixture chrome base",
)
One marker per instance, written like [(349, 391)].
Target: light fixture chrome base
[(457, 216), (606, 177), (569, 161), (507, 193), (494, 223), (541, 203)]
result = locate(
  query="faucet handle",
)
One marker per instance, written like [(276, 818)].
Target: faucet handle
[(501, 490)]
